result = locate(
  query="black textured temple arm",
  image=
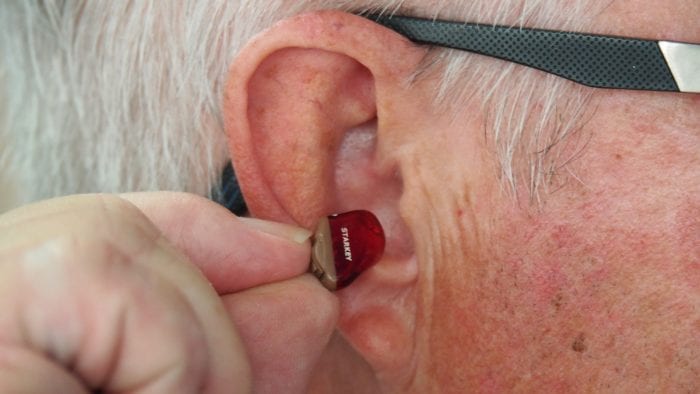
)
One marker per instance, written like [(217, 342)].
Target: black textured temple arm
[(592, 60)]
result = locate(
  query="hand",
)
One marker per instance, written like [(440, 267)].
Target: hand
[(155, 292)]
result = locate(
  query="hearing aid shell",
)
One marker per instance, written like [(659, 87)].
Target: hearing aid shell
[(322, 263)]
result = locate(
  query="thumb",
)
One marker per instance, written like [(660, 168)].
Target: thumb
[(285, 327)]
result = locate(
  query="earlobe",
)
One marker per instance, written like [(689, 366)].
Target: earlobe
[(308, 104)]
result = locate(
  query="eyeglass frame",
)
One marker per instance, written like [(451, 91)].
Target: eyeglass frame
[(599, 61)]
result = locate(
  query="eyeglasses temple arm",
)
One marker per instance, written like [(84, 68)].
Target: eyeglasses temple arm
[(592, 60)]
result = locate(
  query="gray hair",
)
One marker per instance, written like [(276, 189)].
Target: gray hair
[(116, 96)]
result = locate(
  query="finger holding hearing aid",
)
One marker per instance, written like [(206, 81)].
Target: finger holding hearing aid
[(156, 292)]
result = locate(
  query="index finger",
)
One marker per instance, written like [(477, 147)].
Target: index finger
[(232, 253)]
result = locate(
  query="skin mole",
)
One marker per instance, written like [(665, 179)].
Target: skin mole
[(558, 301), (579, 344)]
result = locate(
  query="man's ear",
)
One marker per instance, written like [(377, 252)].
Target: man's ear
[(313, 111), (295, 93)]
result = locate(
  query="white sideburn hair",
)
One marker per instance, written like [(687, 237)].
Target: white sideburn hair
[(115, 96)]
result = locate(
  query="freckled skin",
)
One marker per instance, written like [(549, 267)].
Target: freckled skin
[(597, 290)]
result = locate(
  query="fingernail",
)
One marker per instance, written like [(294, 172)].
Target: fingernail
[(292, 233)]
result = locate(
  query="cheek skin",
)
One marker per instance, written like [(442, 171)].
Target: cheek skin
[(561, 315), (599, 291)]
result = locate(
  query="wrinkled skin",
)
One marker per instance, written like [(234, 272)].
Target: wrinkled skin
[(597, 291)]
